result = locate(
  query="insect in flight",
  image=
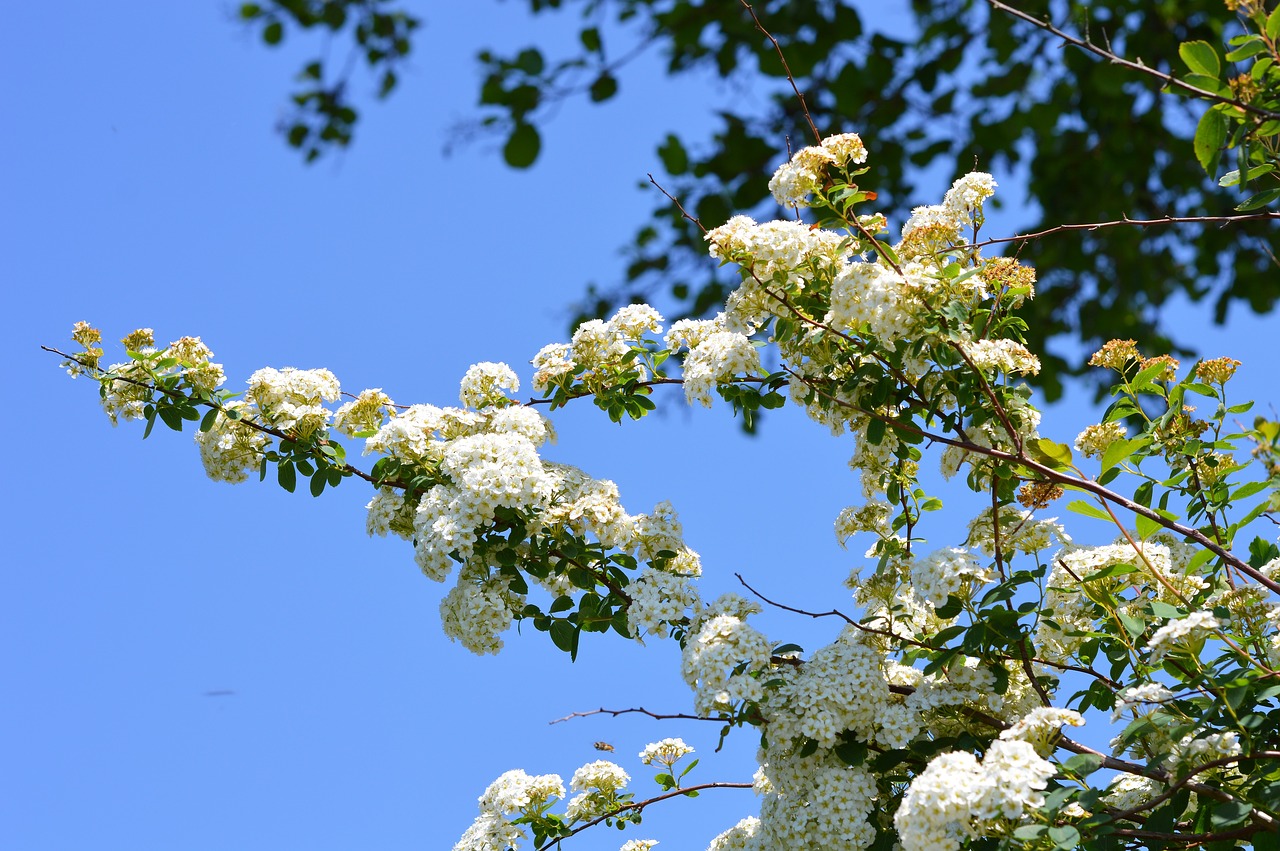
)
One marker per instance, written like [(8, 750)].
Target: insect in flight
[(603, 746)]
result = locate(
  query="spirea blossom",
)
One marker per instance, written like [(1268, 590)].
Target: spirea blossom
[(659, 599), (484, 382), (1040, 727), (956, 797), (290, 399), (740, 837), (945, 572), (1007, 356), (638, 844), (804, 174), (1139, 695), (1181, 632), (231, 448), (490, 832), (666, 752), (722, 356), (711, 663), (515, 791)]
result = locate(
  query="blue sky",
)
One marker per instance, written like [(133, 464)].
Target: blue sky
[(143, 187)]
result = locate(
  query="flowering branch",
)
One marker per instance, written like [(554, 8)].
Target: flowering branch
[(638, 806)]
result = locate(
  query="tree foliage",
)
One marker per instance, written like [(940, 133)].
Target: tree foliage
[(973, 85)]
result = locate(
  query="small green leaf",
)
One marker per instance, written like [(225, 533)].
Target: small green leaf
[(1064, 836), (1083, 764), (273, 33), (1122, 449), (1057, 454), (210, 417), (1273, 24), (522, 146), (604, 87), (1262, 199), (1200, 57), (317, 485), (590, 38)]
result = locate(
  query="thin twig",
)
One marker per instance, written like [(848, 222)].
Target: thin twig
[(1123, 222), (676, 201), (640, 805), (804, 107), (660, 716)]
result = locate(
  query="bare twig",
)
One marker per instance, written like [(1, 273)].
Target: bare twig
[(674, 200), (660, 716), (640, 805), (804, 107), (1123, 222)]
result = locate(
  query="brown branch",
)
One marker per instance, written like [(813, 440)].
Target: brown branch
[(640, 709), (1167, 79), (804, 107), (674, 200)]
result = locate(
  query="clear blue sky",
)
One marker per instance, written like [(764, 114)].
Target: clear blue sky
[(142, 186)]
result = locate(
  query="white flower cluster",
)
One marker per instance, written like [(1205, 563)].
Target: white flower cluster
[(841, 687), (638, 844), (598, 783), (714, 355), (665, 752), (957, 798), (1040, 727), (365, 415), (813, 802), (1135, 696), (126, 397), (743, 836), (1094, 441), (720, 658), (1160, 572), (780, 253), (658, 599), (935, 229), (597, 349), (808, 169), (483, 383), (1007, 356), (948, 571), (1181, 633), (231, 448), (512, 793), (289, 399)]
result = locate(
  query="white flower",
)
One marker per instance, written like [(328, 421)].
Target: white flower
[(1181, 632), (666, 752), (484, 382)]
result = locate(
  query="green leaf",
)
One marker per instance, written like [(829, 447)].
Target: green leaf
[(590, 38), (171, 418), (522, 146), (604, 87), (317, 485), (530, 61), (1122, 449), (564, 636), (675, 159), (1261, 199), (273, 33), (1083, 764), (1079, 506), (1211, 135), (1273, 24), (210, 418), (1064, 836), (1057, 454), (1200, 57), (287, 476)]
